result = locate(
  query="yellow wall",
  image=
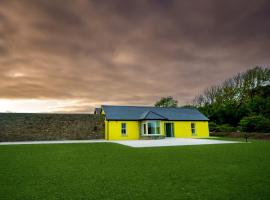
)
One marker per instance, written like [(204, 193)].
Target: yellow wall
[(113, 130), (182, 129)]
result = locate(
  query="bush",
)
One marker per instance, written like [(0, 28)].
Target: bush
[(255, 124), (226, 128), (213, 127)]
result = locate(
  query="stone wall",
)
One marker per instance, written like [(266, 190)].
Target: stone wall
[(29, 127)]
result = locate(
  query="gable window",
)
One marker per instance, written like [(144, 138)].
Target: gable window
[(124, 129), (150, 128), (193, 129)]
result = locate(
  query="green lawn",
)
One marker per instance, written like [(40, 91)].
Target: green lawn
[(113, 171)]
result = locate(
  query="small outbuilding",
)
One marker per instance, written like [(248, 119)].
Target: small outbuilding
[(97, 111)]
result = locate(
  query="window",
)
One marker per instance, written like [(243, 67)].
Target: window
[(144, 128), (150, 128), (124, 128), (157, 128), (193, 129)]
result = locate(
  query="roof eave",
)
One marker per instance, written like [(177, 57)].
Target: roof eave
[(184, 120)]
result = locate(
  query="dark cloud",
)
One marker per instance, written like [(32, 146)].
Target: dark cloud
[(127, 52)]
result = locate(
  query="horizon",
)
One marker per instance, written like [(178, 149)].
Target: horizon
[(74, 58), (92, 111)]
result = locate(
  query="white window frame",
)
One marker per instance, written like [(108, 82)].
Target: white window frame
[(155, 127), (123, 134), (195, 132)]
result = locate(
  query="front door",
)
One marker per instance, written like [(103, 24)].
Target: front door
[(169, 129)]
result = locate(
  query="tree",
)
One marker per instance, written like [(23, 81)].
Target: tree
[(241, 100), (235, 89), (255, 124), (166, 102)]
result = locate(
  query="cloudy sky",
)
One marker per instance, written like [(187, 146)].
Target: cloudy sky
[(70, 56)]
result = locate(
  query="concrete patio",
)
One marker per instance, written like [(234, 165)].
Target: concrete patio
[(172, 142), (134, 143)]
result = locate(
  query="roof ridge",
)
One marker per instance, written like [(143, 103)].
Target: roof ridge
[(156, 114), (146, 113)]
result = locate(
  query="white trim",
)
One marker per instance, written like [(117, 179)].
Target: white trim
[(151, 134), (124, 134), (195, 129)]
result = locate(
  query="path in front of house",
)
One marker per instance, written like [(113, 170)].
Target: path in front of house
[(134, 143)]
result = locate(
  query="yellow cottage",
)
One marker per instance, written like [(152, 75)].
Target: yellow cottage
[(141, 122)]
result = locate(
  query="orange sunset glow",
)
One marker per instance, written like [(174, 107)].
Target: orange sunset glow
[(72, 56)]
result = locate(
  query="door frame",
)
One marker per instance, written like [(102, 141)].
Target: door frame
[(172, 128)]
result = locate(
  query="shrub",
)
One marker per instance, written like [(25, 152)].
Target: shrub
[(226, 128), (255, 124), (213, 127)]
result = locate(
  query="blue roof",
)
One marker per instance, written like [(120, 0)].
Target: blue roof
[(151, 115), (154, 113)]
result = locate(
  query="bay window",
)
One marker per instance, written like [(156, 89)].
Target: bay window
[(150, 128)]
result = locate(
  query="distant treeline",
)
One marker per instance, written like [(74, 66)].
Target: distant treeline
[(239, 103)]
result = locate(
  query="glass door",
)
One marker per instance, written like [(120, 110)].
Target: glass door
[(169, 129)]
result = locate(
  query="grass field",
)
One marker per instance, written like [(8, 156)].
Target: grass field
[(113, 171)]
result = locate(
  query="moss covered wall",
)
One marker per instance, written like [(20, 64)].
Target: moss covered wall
[(29, 127)]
